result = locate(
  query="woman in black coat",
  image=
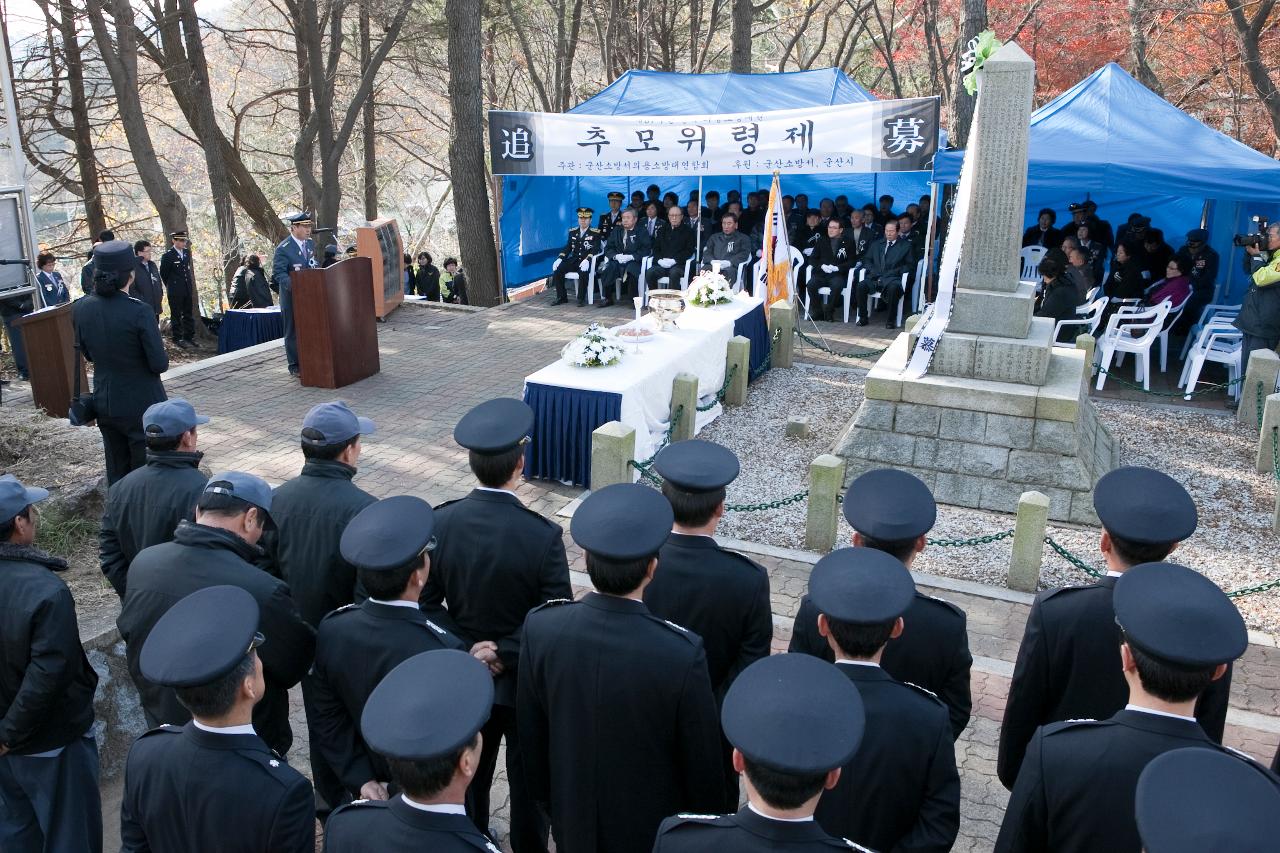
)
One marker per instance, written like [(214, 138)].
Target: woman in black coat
[(118, 334), (426, 279), (1126, 281), (249, 287), (1060, 297)]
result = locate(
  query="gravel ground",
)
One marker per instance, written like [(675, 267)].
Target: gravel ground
[(1208, 453)]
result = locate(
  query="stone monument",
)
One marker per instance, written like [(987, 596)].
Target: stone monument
[(1001, 410)]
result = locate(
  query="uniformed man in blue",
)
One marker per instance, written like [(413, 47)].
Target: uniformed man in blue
[(1193, 800), (295, 252), (901, 791), (424, 718), (1068, 664), (178, 275), (893, 511), (583, 242), (1075, 790), (390, 544), (616, 716), (496, 561), (718, 594), (794, 721), (213, 785), (611, 217)]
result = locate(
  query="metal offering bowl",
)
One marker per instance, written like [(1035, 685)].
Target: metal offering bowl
[(666, 305)]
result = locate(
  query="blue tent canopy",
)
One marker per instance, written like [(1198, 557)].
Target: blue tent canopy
[(537, 211)]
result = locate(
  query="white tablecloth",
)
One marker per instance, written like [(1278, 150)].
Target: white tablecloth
[(643, 378)]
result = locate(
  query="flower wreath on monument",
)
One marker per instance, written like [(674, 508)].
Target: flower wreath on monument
[(595, 347), (710, 288)]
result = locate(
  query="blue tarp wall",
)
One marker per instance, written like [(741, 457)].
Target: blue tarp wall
[(538, 211), (1111, 139)]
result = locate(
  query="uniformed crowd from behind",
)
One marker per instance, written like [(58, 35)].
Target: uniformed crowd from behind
[(646, 715)]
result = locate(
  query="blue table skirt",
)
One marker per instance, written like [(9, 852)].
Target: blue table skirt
[(753, 327), (563, 420), (242, 329)]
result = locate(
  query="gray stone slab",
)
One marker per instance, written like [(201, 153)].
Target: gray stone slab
[(936, 454), (985, 312), (958, 489), (1023, 360), (1062, 394), (961, 424), (914, 419), (983, 460), (1049, 469), (1008, 431), (983, 395), (1057, 437), (954, 355), (877, 446), (875, 414), (1082, 509)]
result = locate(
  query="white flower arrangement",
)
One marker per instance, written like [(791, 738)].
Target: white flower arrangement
[(595, 347), (710, 288)]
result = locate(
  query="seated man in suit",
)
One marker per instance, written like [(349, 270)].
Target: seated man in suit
[(726, 251), (831, 260), (886, 260), (806, 236), (627, 245), (672, 247), (859, 234)]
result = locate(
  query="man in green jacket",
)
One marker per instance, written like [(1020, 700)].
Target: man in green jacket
[(1259, 316)]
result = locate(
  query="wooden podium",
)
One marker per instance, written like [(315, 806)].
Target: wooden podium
[(337, 332), (49, 338)]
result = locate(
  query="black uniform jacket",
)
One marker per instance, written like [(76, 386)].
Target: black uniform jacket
[(144, 508), (356, 646), (310, 512), (192, 791), (394, 825), (46, 682), (744, 832), (119, 335), (718, 594), (608, 220), (617, 723), (200, 557), (842, 254), (175, 269), (1050, 239), (933, 651), (579, 246), (147, 286), (1069, 668), (901, 791), (495, 560), (1076, 789), (676, 243)]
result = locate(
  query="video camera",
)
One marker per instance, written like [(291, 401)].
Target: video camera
[(1258, 238)]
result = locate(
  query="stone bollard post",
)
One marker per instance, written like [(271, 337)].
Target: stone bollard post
[(1088, 343), (613, 446), (1275, 516), (782, 326), (826, 478), (1264, 367), (738, 354), (684, 392), (1270, 420), (1028, 541), (911, 322)]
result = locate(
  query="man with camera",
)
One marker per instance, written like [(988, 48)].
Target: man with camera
[(1259, 316)]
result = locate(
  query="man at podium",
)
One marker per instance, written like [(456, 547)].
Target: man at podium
[(295, 252)]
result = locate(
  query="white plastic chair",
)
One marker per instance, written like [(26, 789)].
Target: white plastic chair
[(576, 277), (1031, 256), (1133, 331), (665, 277), (738, 280), (1169, 322), (1221, 343), (825, 292), (876, 297), (1088, 318), (1209, 314)]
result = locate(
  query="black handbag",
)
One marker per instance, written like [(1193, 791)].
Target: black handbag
[(83, 411)]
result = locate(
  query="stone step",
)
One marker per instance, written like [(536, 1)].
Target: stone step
[(990, 312), (1021, 360)]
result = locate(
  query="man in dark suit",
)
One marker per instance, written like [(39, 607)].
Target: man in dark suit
[(616, 716), (785, 766), (497, 560), (583, 242), (886, 260), (1177, 632), (892, 511), (901, 791), (628, 244), (86, 272), (612, 217), (859, 234), (718, 594), (147, 283), (1043, 233), (1101, 227), (1068, 663), (213, 783), (673, 247), (178, 274), (831, 260), (295, 252)]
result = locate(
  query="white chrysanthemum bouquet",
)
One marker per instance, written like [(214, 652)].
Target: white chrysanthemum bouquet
[(596, 347)]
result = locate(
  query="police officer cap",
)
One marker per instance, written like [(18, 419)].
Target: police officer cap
[(331, 251), (864, 586), (1197, 235), (201, 638), (15, 497), (1144, 505), (301, 217), (494, 425), (1197, 799), (1074, 206), (624, 521), (351, 250), (177, 235), (1089, 204), (697, 465), (794, 713), (114, 256), (246, 487), (429, 706), (334, 423), (170, 418), (616, 196), (585, 211), (388, 533), (1140, 221), (888, 505), (1179, 616)]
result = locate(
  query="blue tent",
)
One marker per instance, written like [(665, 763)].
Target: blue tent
[(1114, 140), (537, 211)]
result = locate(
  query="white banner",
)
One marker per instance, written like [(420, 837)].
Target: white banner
[(877, 136)]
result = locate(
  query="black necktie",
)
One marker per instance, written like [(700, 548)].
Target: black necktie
[(887, 247)]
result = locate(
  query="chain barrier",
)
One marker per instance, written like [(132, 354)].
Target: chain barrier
[(1072, 558), (778, 504), (1207, 389), (1250, 590), (724, 389), (768, 357), (1259, 406), (1275, 454), (971, 542), (873, 353)]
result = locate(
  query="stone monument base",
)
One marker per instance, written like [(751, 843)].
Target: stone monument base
[(981, 443)]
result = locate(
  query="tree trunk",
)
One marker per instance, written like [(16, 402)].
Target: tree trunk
[(370, 171), (1250, 32), (86, 160), (962, 103), (467, 151), (740, 37), (1137, 10)]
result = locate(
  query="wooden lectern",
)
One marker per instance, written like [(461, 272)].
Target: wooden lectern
[(337, 332), (50, 339)]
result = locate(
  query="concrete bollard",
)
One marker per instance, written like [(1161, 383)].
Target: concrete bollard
[(684, 392), (613, 446), (1088, 343), (798, 426), (911, 322), (1270, 420), (1264, 367), (1027, 554), (782, 331), (1275, 516), (738, 354), (826, 478)]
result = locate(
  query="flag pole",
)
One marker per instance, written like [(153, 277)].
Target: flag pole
[(697, 264)]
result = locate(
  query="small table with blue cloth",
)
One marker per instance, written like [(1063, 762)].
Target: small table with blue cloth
[(244, 327), (569, 403)]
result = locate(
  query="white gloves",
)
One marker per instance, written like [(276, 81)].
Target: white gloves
[(623, 259), (556, 265), (585, 265), (716, 266), (829, 268), (808, 252), (666, 263)]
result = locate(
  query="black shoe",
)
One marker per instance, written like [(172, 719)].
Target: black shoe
[(607, 303), (24, 377), (889, 324), (861, 321), (293, 371), (581, 302), (560, 301)]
